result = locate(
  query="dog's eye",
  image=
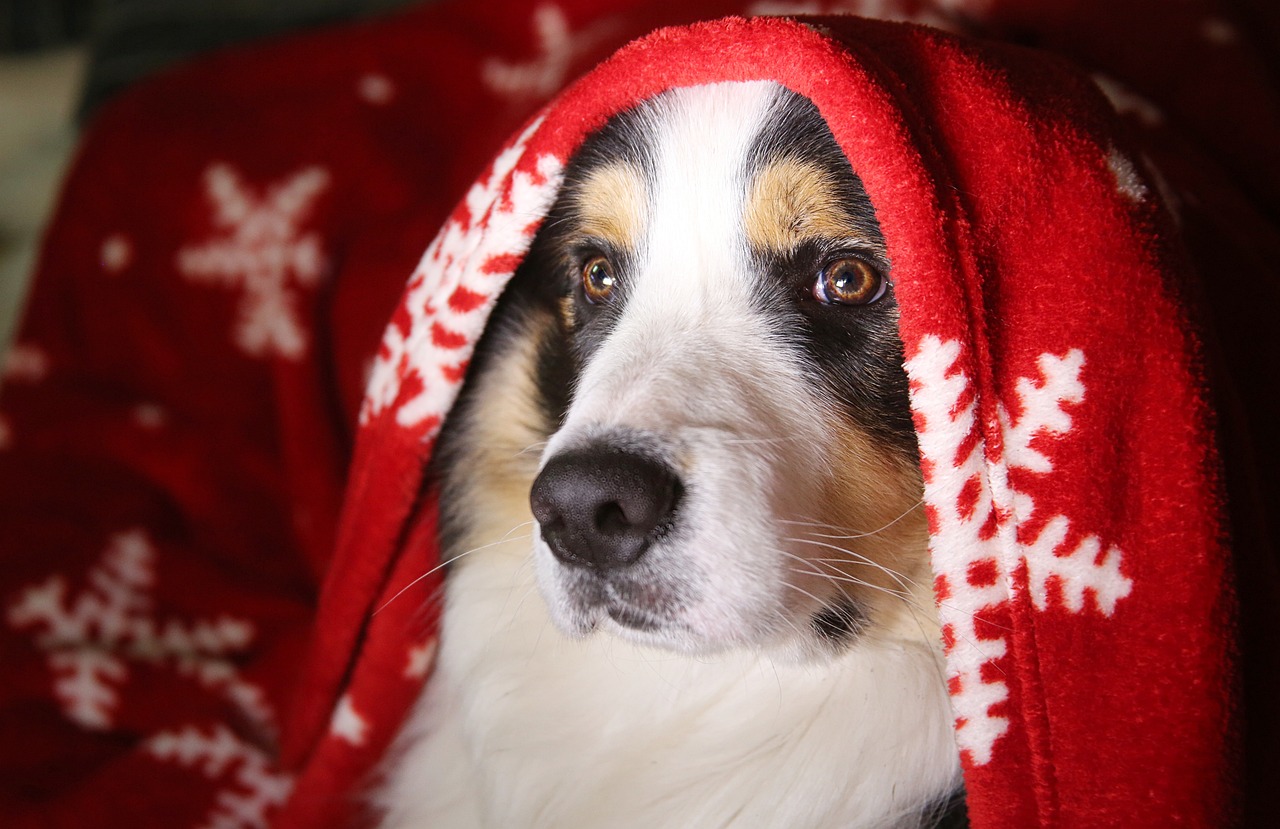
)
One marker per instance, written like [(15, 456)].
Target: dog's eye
[(849, 281), (597, 279)]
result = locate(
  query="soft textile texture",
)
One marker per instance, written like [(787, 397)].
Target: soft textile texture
[(213, 614)]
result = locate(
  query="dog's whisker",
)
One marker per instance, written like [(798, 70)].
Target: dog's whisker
[(854, 557), (835, 576), (818, 602), (912, 605), (946, 605), (853, 534), (838, 576), (505, 538), (825, 605), (760, 441), (906, 598), (839, 579), (791, 623), (536, 446), (904, 582)]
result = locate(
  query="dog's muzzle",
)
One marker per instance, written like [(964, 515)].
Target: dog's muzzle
[(601, 507)]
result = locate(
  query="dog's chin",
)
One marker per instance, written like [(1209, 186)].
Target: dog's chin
[(646, 611), (618, 620)]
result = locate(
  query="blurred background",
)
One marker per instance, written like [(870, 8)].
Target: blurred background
[(60, 59)]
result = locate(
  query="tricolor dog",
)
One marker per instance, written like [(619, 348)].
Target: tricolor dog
[(682, 505)]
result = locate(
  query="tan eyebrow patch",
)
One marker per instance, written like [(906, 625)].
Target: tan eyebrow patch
[(611, 205), (568, 314), (791, 201)]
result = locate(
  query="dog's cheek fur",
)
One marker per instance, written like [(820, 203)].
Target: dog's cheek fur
[(858, 357), (878, 552), (516, 393)]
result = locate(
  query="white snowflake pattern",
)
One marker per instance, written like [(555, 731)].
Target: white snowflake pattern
[(254, 790), (1127, 102), (376, 88), (978, 513), (1128, 182), (559, 47), (150, 415), (25, 363), (420, 659), (91, 638), (116, 253), (1219, 32), (448, 297), (262, 250), (347, 723)]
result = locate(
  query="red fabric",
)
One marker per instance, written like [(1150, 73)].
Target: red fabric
[(212, 568)]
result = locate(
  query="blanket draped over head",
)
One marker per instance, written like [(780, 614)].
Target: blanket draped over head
[(212, 444)]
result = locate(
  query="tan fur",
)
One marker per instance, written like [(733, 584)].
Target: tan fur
[(612, 205), (882, 559), (500, 455), (791, 201), (568, 314)]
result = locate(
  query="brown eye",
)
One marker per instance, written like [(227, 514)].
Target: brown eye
[(597, 279), (849, 281)]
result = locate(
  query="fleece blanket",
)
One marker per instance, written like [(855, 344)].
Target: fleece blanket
[(218, 564)]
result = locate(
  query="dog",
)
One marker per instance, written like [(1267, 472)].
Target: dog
[(681, 505)]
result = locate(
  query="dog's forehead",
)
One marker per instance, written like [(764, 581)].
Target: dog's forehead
[(694, 183), (685, 205)]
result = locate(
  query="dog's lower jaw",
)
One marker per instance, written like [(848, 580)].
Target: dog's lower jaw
[(522, 727)]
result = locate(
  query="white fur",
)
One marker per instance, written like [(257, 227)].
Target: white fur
[(719, 718)]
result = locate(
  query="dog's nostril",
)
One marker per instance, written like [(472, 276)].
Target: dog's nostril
[(602, 507), (611, 520)]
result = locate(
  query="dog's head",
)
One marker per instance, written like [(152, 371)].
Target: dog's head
[(731, 459)]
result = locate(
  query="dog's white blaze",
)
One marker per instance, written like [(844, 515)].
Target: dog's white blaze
[(689, 324)]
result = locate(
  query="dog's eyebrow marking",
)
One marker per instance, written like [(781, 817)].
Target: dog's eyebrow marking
[(568, 315), (611, 205), (791, 201)]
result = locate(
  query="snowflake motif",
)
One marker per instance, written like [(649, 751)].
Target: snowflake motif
[(1219, 32), (559, 48), (91, 638), (255, 789), (376, 88), (149, 415), (977, 514), (1127, 102), (25, 363), (262, 251), (420, 659), (116, 253), (444, 309), (1128, 182), (347, 723)]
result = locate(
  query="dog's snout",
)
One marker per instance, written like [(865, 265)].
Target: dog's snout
[(602, 507)]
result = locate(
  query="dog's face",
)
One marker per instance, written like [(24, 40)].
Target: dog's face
[(731, 460)]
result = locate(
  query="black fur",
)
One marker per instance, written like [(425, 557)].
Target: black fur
[(855, 351)]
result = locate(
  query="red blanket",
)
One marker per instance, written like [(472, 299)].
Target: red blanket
[(213, 605)]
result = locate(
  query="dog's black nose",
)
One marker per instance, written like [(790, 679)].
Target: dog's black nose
[(602, 507)]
